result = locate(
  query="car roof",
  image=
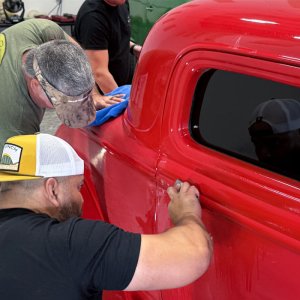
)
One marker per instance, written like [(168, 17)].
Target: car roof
[(256, 27)]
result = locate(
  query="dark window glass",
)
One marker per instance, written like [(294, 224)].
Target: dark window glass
[(253, 119)]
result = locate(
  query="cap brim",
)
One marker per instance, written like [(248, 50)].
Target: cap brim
[(12, 177), (76, 113)]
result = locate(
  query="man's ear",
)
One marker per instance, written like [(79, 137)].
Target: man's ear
[(51, 190), (37, 93), (34, 84)]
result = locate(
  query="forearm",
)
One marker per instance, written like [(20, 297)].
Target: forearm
[(105, 81), (99, 60)]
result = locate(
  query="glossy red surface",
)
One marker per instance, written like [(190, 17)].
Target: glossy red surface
[(252, 214)]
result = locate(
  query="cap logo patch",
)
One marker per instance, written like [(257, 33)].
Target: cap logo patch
[(10, 160), (2, 46)]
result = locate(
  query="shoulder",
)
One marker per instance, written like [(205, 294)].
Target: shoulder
[(125, 8), (37, 23), (96, 230), (76, 234), (93, 22), (90, 7), (37, 30)]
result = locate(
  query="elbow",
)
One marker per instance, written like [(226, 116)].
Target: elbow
[(204, 257), (199, 262), (202, 253)]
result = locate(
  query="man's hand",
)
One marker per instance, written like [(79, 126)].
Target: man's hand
[(137, 51), (101, 101), (184, 202)]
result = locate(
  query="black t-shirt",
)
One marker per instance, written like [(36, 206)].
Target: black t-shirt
[(100, 26), (42, 258)]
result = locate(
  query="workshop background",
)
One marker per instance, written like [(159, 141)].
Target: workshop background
[(44, 7)]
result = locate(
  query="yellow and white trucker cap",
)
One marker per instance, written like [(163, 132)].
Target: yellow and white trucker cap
[(27, 157)]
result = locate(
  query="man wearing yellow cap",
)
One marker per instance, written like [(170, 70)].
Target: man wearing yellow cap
[(48, 252)]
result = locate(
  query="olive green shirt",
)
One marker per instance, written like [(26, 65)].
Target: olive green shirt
[(18, 113)]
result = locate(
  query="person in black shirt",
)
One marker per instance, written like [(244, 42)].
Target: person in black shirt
[(49, 252), (102, 28)]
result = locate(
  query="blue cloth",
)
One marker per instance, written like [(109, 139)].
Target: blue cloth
[(114, 110)]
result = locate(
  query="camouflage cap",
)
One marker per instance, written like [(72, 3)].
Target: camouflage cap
[(73, 111)]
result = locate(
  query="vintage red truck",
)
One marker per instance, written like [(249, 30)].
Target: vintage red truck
[(207, 72)]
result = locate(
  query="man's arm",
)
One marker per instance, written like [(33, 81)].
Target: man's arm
[(180, 255), (99, 63), (100, 101)]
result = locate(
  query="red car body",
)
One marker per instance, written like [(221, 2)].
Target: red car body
[(253, 213)]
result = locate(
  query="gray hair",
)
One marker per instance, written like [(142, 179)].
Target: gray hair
[(28, 185), (64, 65), (24, 184)]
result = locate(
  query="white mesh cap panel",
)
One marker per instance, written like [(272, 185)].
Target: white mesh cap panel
[(282, 115), (56, 158)]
